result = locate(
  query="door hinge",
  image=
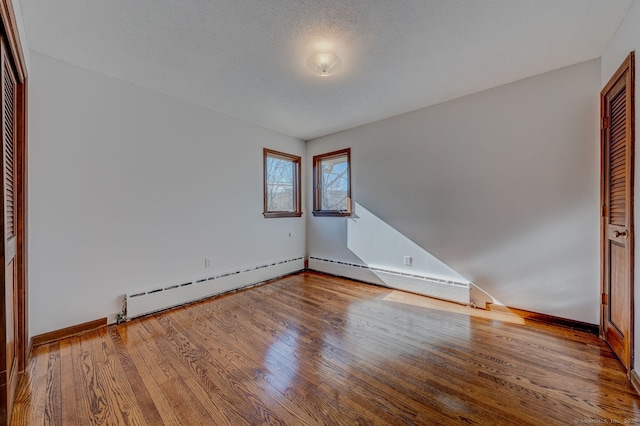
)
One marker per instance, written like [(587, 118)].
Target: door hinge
[(603, 211), (604, 299), (604, 123)]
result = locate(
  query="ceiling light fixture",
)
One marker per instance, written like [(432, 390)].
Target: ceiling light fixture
[(324, 64)]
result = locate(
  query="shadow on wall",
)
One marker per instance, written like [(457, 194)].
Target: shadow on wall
[(379, 245), (540, 267), (399, 262), (535, 268)]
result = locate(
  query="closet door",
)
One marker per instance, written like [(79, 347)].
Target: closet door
[(14, 345), (9, 360), (617, 147)]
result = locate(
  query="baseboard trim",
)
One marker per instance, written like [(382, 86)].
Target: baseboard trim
[(215, 296), (431, 286), (145, 302), (63, 333), (546, 319), (635, 381)]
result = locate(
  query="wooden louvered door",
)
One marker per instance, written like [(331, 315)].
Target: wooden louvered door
[(14, 345), (617, 211), (9, 153)]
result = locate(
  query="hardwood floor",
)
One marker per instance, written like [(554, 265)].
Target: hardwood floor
[(316, 350)]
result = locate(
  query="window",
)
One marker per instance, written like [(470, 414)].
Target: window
[(332, 183), (281, 184)]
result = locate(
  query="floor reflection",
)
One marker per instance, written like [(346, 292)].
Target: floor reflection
[(281, 360)]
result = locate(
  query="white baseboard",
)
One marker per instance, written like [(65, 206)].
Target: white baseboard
[(420, 284), (146, 302)]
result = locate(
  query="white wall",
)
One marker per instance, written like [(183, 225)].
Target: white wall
[(502, 186), (130, 189), (627, 39), (17, 10)]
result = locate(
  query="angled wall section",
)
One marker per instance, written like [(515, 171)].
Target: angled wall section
[(500, 186)]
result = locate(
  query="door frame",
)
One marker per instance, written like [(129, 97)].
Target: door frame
[(627, 64), (9, 32)]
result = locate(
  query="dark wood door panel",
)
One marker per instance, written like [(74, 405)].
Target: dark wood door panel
[(13, 227), (617, 228)]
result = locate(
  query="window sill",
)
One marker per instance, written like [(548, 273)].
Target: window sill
[(331, 213), (268, 215)]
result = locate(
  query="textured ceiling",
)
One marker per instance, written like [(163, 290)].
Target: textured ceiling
[(247, 58)]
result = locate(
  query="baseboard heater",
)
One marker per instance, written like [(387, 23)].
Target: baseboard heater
[(158, 299), (446, 289)]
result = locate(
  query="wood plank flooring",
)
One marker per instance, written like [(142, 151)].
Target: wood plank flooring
[(316, 350)]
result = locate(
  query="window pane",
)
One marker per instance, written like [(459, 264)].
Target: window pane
[(335, 182), (282, 196), (280, 174), (332, 184)]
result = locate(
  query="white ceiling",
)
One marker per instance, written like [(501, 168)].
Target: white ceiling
[(247, 58)]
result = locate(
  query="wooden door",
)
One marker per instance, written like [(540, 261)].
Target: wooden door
[(8, 111), (617, 144), (13, 225)]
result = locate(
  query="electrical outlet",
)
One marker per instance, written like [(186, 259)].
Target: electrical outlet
[(408, 260), (207, 263)]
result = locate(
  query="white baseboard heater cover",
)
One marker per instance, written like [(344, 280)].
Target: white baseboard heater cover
[(146, 302), (455, 291)]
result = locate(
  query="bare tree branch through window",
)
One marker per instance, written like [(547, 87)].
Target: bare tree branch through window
[(332, 183), (281, 184)]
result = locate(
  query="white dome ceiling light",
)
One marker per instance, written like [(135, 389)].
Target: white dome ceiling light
[(324, 63)]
